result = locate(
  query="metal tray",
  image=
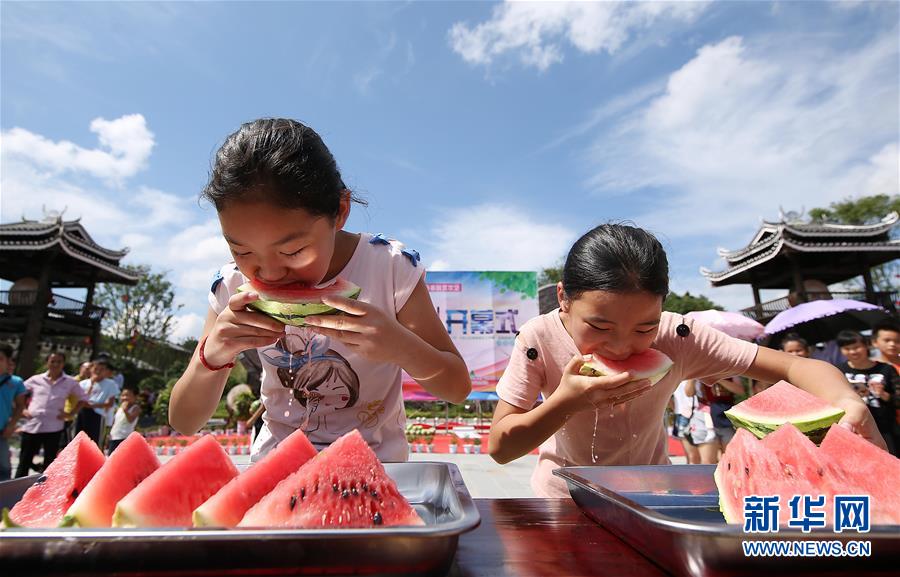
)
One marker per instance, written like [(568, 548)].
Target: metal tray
[(436, 490), (670, 514)]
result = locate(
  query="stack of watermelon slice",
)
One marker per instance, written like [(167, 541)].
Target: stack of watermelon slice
[(787, 462), (344, 486)]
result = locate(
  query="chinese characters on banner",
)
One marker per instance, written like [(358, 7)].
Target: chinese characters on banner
[(482, 312)]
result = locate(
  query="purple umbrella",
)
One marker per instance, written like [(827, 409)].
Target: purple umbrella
[(822, 320)]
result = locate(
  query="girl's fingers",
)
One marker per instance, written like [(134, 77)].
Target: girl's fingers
[(337, 322), (352, 306), (346, 337), (240, 300), (257, 320), (251, 342), (574, 364)]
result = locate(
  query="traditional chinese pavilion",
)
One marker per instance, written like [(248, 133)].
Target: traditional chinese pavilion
[(801, 256), (40, 256)]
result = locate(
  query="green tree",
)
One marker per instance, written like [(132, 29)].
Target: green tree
[(687, 302), (550, 275), (865, 210), (138, 317)]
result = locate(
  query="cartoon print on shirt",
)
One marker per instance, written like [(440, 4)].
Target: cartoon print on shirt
[(320, 379), (368, 417)]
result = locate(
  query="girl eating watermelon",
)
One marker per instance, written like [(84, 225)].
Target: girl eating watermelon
[(282, 206), (610, 306)]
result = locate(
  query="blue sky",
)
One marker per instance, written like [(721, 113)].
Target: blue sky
[(485, 135)]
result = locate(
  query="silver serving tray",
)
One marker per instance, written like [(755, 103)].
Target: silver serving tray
[(670, 514), (436, 491)]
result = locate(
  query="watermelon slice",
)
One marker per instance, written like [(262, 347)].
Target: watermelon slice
[(784, 403), (132, 462), (650, 364), (227, 507), (45, 502), (344, 486), (171, 493), (291, 303), (872, 471), (749, 468)]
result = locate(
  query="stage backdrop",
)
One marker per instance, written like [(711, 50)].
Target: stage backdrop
[(482, 312)]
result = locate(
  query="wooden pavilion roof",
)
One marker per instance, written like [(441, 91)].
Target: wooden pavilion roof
[(829, 252), (77, 259)]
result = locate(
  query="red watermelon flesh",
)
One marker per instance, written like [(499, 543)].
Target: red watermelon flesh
[(45, 502), (227, 507), (344, 486), (300, 293), (873, 471), (650, 364), (749, 468), (171, 493), (132, 462)]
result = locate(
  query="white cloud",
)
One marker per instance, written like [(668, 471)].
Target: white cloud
[(185, 326), (164, 230), (536, 31), (744, 128), (125, 146), (495, 237)]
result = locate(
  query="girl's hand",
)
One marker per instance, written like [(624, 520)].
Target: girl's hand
[(238, 329), (362, 327), (601, 392), (858, 419)]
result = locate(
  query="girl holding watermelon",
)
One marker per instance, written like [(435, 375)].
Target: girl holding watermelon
[(610, 305), (282, 206)]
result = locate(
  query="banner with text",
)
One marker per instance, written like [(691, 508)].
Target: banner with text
[(482, 311)]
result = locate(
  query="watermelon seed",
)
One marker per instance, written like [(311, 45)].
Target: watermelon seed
[(747, 471), (40, 479), (293, 501), (74, 493), (334, 487), (376, 518), (345, 493), (302, 493), (374, 494), (728, 466), (365, 486), (820, 472), (354, 491)]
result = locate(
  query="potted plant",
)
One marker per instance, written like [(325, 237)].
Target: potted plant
[(429, 439), (477, 445), (454, 444)]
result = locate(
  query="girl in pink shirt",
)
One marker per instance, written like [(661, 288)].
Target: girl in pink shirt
[(610, 303), (282, 205)]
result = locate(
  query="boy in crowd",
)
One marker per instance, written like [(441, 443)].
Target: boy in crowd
[(12, 404), (876, 382)]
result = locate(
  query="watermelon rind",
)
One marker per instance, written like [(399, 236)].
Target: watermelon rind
[(294, 313), (813, 426), (813, 419), (7, 523)]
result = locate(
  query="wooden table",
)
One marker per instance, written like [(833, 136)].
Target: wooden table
[(546, 537)]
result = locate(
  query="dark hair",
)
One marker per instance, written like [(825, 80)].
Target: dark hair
[(847, 338), (888, 326), (616, 258), (279, 161), (6, 350), (102, 362), (794, 337), (56, 354)]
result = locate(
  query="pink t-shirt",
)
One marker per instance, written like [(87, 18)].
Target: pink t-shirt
[(631, 433), (312, 382), (48, 399)]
